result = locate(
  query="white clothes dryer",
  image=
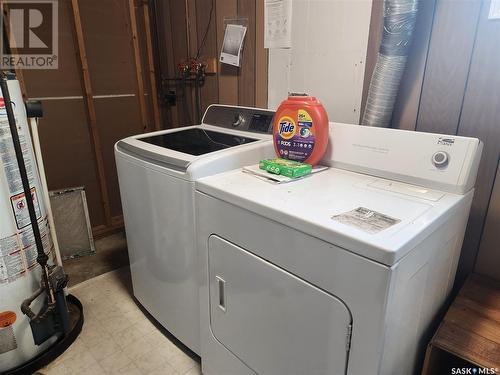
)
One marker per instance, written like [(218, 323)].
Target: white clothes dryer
[(341, 272)]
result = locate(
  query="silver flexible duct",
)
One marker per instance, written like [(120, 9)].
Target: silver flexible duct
[(399, 23)]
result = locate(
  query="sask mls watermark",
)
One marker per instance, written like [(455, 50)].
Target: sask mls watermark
[(30, 34)]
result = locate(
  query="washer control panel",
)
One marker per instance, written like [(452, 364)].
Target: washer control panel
[(240, 118)]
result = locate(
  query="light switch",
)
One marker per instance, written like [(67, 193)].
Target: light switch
[(494, 13)]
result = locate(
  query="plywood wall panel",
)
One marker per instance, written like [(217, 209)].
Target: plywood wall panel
[(138, 67), (106, 42), (180, 53), (192, 27), (147, 49), (244, 85), (68, 156), (64, 81), (450, 51), (488, 258), (246, 81), (114, 124), (207, 48), (261, 57), (228, 75), (107, 37), (164, 57), (480, 118)]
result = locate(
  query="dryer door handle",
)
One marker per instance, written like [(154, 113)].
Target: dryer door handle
[(221, 288)]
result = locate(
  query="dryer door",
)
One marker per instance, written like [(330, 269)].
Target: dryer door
[(271, 320)]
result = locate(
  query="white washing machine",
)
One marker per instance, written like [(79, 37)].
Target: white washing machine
[(342, 272), (156, 173)]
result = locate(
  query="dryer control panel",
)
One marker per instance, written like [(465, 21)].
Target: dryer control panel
[(255, 120), (436, 161)]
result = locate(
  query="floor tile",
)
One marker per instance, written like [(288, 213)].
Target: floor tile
[(137, 349), (104, 348), (94, 369), (79, 363), (182, 362), (115, 362), (166, 369), (127, 336), (150, 361), (58, 369), (130, 369), (196, 370), (117, 337), (116, 324)]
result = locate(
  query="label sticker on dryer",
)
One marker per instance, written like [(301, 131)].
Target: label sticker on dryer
[(367, 220)]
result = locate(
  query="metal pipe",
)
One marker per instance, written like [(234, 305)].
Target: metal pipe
[(45, 189), (399, 23)]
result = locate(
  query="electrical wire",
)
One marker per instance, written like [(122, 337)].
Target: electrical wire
[(206, 30)]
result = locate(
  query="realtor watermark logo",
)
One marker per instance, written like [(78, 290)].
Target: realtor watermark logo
[(30, 34)]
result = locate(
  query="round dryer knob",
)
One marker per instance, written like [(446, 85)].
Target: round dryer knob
[(440, 159)]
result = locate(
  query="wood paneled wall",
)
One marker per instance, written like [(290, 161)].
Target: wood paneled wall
[(452, 86), (488, 257), (102, 91), (180, 28)]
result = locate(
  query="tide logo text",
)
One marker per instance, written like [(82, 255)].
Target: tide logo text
[(287, 128)]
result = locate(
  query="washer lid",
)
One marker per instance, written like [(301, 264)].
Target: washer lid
[(178, 148), (196, 141), (351, 210)]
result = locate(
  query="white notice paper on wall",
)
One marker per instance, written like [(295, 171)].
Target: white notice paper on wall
[(494, 13), (232, 44), (278, 24)]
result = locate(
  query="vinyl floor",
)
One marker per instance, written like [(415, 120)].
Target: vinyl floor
[(118, 337)]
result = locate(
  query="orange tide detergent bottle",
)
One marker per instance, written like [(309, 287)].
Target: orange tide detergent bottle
[(300, 129)]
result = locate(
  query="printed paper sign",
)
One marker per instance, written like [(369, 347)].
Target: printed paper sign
[(278, 24), (233, 44)]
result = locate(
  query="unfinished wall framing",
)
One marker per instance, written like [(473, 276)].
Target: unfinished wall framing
[(113, 59), (103, 90)]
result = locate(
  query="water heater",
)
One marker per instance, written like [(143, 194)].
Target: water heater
[(20, 274)]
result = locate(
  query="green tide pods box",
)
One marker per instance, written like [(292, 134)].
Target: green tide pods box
[(284, 167)]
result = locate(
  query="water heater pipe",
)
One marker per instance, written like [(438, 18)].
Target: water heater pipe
[(399, 24), (45, 189)]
